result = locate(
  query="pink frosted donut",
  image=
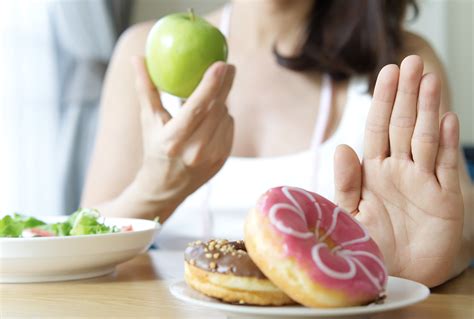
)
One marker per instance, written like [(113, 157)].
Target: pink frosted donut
[(313, 250)]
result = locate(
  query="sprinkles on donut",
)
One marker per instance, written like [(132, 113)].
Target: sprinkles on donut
[(223, 270)]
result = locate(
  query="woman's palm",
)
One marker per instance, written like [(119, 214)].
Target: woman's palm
[(406, 192), (417, 224)]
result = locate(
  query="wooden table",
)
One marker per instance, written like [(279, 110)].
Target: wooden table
[(139, 289)]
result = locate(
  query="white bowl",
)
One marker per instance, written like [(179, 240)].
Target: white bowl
[(74, 257)]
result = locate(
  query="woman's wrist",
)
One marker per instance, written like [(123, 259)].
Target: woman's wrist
[(158, 189), (137, 203), (161, 177)]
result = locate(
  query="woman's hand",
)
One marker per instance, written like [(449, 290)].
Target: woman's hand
[(407, 191), (181, 153)]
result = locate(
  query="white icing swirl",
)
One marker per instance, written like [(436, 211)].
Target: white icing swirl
[(331, 272), (281, 226), (349, 256)]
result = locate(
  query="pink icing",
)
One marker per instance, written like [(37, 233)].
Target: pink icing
[(307, 222)]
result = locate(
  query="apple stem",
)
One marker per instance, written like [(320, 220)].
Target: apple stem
[(191, 14)]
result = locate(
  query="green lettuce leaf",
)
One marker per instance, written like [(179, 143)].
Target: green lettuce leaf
[(86, 222), (28, 222), (13, 226), (9, 227), (58, 229), (83, 222)]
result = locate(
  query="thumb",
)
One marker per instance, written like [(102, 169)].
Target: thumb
[(148, 94), (347, 178)]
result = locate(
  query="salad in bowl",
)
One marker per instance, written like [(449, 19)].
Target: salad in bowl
[(57, 248), (85, 221)]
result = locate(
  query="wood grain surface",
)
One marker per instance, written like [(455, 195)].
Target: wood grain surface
[(139, 289)]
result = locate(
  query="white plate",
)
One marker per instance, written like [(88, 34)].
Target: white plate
[(400, 293), (75, 257)]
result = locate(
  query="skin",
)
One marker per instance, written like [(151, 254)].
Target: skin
[(407, 189), (411, 191)]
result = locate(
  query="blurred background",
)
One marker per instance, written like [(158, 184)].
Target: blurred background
[(53, 57)]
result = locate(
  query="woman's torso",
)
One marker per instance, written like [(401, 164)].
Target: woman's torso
[(284, 116)]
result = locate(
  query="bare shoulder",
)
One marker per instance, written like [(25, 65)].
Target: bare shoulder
[(133, 40), (214, 17), (416, 44)]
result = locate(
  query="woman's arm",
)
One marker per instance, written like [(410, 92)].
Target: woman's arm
[(417, 45), (145, 162), (118, 150)]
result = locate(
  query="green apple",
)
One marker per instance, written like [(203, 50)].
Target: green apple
[(179, 49)]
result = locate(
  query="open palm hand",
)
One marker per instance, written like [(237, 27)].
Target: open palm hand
[(407, 192)]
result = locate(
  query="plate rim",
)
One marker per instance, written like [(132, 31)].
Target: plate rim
[(303, 311)]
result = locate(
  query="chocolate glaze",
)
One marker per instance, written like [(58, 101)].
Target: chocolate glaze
[(222, 256)]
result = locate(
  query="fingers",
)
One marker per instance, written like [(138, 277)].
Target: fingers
[(376, 143), (347, 178), (207, 90), (447, 160), (215, 81), (426, 134), (220, 145), (148, 95), (402, 121), (194, 149), (227, 84)]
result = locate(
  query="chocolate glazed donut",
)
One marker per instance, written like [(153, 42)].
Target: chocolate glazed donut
[(223, 270)]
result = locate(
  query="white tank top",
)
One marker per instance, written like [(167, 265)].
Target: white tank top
[(218, 208)]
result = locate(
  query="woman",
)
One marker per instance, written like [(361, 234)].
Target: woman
[(290, 114)]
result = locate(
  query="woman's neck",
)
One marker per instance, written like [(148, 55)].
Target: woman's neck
[(273, 21)]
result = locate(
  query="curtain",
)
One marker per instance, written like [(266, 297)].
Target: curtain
[(53, 56)]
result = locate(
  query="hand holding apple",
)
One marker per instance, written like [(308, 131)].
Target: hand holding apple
[(183, 152), (180, 48)]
